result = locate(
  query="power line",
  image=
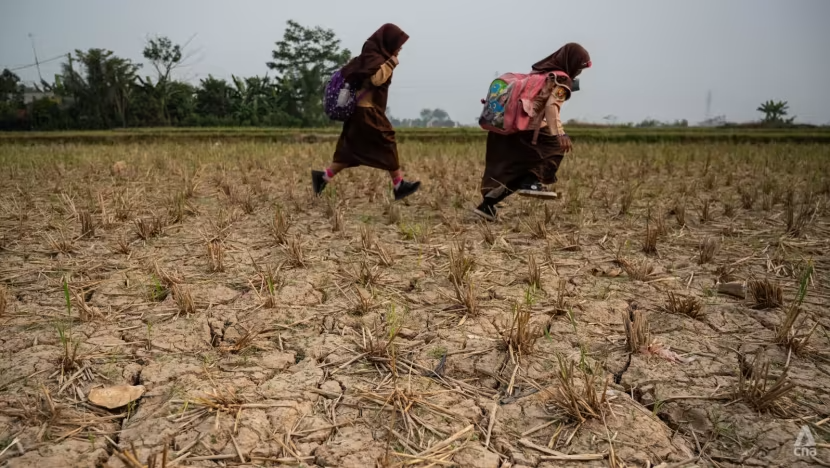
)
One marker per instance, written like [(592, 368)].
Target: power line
[(41, 62)]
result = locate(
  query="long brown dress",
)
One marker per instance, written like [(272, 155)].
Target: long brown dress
[(367, 138), (512, 160)]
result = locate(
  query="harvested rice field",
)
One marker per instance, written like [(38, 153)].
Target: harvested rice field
[(191, 304)]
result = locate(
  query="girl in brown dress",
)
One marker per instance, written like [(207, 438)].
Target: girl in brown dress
[(513, 163), (367, 138)]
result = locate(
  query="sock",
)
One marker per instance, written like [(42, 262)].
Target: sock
[(396, 182), (328, 175)]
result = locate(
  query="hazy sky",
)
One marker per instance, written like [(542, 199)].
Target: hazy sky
[(652, 58)]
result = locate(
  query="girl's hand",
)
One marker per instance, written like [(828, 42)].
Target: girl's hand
[(565, 143)]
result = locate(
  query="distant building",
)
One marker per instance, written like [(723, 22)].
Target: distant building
[(718, 121), (32, 95)]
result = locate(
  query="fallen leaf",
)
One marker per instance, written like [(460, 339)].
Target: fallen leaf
[(115, 397)]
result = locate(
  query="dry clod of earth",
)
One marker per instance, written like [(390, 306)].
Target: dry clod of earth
[(413, 334)]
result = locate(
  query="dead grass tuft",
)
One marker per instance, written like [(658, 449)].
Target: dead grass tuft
[(759, 390), (706, 210), (650, 242), (680, 212), (465, 294), (4, 300), (364, 302), (123, 207), (279, 227), (640, 270), (226, 401), (708, 249), (60, 244), (627, 198), (637, 335), (216, 255), (183, 298), (517, 336), (393, 213), (366, 275), (538, 228), (748, 195), (243, 343), (461, 264), (688, 305), (337, 219), (295, 252), (367, 238), (794, 335), (577, 393), (148, 228), (272, 281), (248, 203), (534, 273), (799, 216), (487, 233), (765, 294), (87, 224), (385, 257)]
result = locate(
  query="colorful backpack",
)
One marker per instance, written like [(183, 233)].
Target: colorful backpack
[(340, 98), (508, 107)]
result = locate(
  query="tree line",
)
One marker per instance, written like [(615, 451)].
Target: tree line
[(97, 89)]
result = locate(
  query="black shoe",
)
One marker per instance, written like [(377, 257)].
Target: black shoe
[(535, 190), (486, 211), (318, 182), (406, 189)]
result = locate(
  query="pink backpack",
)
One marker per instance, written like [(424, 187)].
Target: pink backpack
[(508, 107)]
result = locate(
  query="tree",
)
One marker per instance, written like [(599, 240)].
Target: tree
[(165, 57), (11, 91), (774, 112), (102, 86), (435, 118), (304, 59), (213, 98), (11, 100)]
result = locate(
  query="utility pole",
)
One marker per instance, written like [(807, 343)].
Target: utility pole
[(708, 104), (34, 50)]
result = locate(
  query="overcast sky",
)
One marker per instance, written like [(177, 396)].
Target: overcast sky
[(652, 58)]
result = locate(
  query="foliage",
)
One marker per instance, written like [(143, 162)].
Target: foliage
[(428, 118), (97, 89), (775, 112), (304, 60)]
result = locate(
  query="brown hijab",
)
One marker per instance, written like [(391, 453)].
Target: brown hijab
[(376, 50), (571, 59)]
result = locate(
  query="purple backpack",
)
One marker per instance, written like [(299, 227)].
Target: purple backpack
[(340, 99)]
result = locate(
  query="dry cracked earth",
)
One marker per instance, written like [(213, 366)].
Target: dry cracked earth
[(669, 309)]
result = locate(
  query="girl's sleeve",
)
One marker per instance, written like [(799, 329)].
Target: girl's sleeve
[(384, 72), (552, 110)]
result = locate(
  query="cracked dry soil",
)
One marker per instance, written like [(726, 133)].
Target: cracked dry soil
[(270, 328)]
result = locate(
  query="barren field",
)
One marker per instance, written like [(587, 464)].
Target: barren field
[(670, 309)]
